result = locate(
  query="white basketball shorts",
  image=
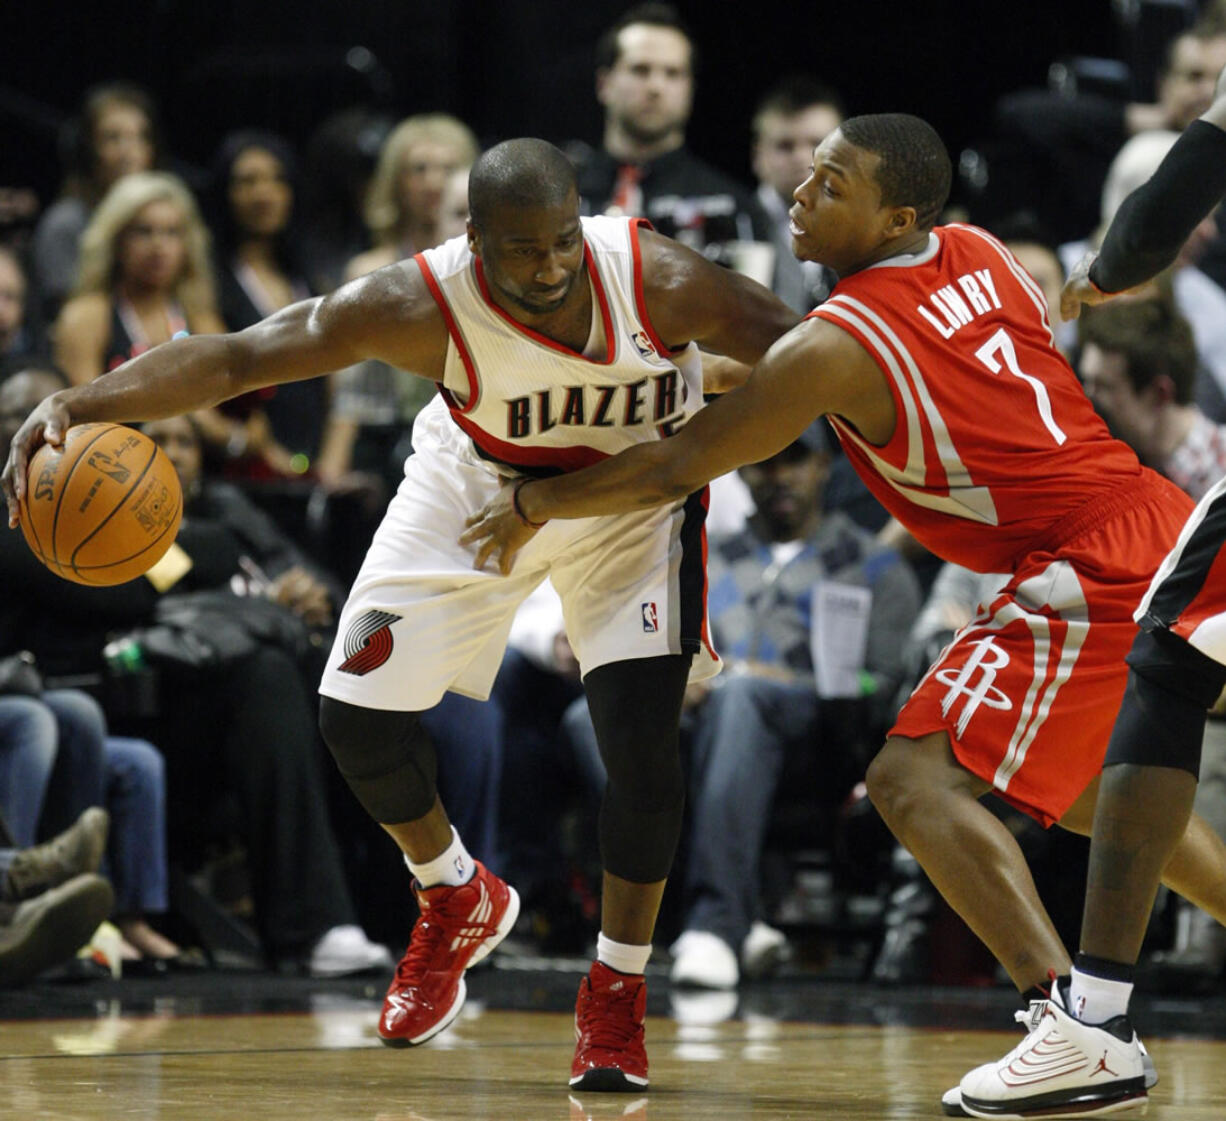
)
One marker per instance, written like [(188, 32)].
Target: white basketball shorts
[(420, 620)]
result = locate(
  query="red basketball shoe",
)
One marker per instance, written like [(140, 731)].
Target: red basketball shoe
[(458, 927), (609, 1050)]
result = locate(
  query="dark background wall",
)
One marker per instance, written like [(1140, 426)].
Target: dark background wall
[(509, 67)]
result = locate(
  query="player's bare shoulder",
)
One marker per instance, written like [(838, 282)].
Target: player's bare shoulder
[(690, 298), (395, 315), (840, 375)]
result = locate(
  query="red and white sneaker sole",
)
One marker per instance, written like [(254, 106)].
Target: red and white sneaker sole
[(505, 925)]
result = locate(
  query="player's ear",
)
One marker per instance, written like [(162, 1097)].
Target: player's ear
[(474, 238), (901, 221)]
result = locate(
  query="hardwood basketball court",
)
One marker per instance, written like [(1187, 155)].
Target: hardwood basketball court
[(234, 1045)]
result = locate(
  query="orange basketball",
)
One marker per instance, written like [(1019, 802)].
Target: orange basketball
[(103, 508)]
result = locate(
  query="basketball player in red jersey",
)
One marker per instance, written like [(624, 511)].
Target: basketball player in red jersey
[(935, 363), (555, 341), (1177, 669)]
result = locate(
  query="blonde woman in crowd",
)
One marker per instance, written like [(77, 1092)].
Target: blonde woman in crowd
[(115, 135), (374, 405), (146, 276)]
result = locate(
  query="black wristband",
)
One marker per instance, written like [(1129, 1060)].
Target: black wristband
[(519, 510)]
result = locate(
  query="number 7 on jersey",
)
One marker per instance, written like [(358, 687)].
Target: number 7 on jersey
[(1000, 343)]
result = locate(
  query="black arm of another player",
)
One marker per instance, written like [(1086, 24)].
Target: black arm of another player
[(1158, 217)]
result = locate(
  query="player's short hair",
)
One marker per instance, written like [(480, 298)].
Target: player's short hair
[(523, 173), (608, 46), (1152, 338), (915, 169)]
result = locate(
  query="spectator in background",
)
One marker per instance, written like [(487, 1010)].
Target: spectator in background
[(51, 900), (1200, 300), (258, 272), (1037, 253), (1067, 143), (147, 276), (1138, 364), (792, 119), (241, 728), (63, 766), (114, 135), (375, 404), (405, 194), (645, 67), (339, 160), (810, 615), (453, 206), (14, 337)]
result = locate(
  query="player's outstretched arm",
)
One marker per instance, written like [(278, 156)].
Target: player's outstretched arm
[(815, 368), (1153, 223), (388, 314)]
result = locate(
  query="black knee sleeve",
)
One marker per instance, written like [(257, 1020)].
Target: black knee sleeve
[(1161, 723), (636, 710), (386, 758)]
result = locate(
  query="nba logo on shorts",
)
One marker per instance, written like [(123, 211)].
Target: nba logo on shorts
[(644, 344), (650, 623)]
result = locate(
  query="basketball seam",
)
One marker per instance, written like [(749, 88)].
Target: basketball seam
[(82, 570), (115, 510), (55, 517)]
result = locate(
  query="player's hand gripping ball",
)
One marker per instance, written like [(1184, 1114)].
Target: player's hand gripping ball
[(102, 509)]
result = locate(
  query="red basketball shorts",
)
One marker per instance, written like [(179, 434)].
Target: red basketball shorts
[(1028, 690)]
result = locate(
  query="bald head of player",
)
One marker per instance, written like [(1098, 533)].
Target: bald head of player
[(877, 187), (523, 204)]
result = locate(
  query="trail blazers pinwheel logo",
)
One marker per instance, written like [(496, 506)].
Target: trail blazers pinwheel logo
[(368, 642)]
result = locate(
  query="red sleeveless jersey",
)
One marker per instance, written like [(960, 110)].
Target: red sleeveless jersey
[(997, 450)]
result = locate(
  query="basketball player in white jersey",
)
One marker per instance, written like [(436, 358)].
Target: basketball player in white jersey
[(555, 341)]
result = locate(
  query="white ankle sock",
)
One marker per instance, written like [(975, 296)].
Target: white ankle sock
[(453, 866), (1095, 1000), (620, 956)]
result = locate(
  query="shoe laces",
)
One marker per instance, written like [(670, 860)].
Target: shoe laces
[(607, 1019), (423, 946)]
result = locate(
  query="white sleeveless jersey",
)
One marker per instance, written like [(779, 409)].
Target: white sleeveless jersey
[(538, 406)]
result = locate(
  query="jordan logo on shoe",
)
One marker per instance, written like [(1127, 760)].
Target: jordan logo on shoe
[(1102, 1066), (617, 986)]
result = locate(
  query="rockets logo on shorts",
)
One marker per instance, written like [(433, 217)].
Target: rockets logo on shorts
[(368, 642), (651, 622), (976, 682)]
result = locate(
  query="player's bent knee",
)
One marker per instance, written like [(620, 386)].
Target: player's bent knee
[(385, 757), (1161, 722), (886, 779)]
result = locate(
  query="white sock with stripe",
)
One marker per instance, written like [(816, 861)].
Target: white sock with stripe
[(453, 866)]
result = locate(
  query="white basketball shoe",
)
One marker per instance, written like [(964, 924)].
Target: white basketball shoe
[(1063, 1068), (951, 1100)]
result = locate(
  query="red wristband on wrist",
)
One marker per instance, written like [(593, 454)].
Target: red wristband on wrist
[(519, 510)]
